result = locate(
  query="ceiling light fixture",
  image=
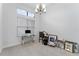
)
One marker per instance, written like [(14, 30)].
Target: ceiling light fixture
[(40, 8)]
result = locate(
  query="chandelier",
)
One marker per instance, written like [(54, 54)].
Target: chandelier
[(40, 8)]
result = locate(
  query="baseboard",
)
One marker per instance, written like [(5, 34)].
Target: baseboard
[(17, 43), (10, 45), (0, 50)]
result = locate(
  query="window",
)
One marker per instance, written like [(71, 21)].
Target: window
[(30, 14), (21, 12), (24, 12)]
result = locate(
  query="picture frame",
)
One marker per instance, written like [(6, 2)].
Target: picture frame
[(52, 40), (76, 47), (60, 44), (69, 46)]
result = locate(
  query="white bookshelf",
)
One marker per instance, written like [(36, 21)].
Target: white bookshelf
[(25, 23)]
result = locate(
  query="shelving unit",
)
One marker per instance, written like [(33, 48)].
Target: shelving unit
[(25, 23)]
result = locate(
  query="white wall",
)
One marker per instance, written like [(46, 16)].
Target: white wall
[(37, 25), (62, 20), (0, 27), (9, 25), (10, 21)]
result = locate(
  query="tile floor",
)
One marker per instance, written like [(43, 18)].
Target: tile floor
[(35, 49)]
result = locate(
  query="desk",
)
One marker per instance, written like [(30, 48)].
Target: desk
[(23, 37)]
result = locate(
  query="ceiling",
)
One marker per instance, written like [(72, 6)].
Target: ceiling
[(33, 5)]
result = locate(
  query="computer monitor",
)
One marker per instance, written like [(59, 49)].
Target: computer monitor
[(27, 31)]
